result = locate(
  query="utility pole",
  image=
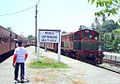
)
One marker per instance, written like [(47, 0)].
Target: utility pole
[(36, 28)]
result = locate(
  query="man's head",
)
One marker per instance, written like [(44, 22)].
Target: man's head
[(19, 43)]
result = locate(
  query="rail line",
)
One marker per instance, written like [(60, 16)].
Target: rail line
[(115, 71), (111, 62), (110, 66)]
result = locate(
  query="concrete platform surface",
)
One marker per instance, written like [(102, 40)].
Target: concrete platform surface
[(78, 73)]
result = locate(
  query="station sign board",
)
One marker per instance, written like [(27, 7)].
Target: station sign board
[(49, 36)]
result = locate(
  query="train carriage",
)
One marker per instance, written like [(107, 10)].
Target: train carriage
[(67, 45), (4, 40), (8, 41)]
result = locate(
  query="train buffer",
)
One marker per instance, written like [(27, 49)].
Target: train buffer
[(77, 72)]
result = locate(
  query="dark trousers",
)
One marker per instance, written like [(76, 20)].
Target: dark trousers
[(22, 71)]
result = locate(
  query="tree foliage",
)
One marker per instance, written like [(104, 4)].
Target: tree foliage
[(110, 35), (9, 28), (31, 37), (82, 27), (116, 41), (111, 31), (116, 48), (107, 41), (108, 7), (117, 31), (109, 26)]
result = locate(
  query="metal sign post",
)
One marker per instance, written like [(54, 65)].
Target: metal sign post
[(59, 48), (49, 36), (38, 47)]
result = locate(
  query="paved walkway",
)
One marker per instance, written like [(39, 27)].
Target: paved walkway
[(78, 73)]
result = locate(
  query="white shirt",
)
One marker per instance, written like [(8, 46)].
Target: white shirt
[(20, 52)]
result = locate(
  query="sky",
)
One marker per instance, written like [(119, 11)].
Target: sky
[(65, 15)]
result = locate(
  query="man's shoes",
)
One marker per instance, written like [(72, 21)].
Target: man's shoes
[(22, 80), (16, 80)]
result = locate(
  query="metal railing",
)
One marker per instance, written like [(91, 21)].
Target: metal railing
[(112, 57)]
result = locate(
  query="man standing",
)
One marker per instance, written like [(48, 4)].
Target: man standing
[(20, 55)]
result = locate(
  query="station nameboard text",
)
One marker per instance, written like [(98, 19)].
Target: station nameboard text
[(49, 36)]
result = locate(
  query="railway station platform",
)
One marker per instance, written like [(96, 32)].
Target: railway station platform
[(78, 72)]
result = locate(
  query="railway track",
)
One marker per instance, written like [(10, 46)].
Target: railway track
[(110, 65)]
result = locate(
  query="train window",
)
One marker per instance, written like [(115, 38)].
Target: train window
[(83, 35), (0, 39), (6, 39), (89, 36), (3, 39), (70, 37), (62, 44), (76, 36), (16, 36)]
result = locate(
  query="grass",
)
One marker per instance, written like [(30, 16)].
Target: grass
[(47, 63)]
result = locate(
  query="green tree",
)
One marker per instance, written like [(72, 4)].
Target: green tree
[(9, 28), (116, 33), (82, 27), (107, 41), (109, 25), (64, 32), (116, 48), (116, 40), (108, 7), (30, 37), (111, 40)]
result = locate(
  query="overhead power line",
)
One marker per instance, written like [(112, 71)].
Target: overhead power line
[(18, 11)]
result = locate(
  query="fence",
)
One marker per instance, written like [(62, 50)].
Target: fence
[(112, 57)]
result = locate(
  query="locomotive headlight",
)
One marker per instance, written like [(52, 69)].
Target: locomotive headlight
[(90, 54)]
